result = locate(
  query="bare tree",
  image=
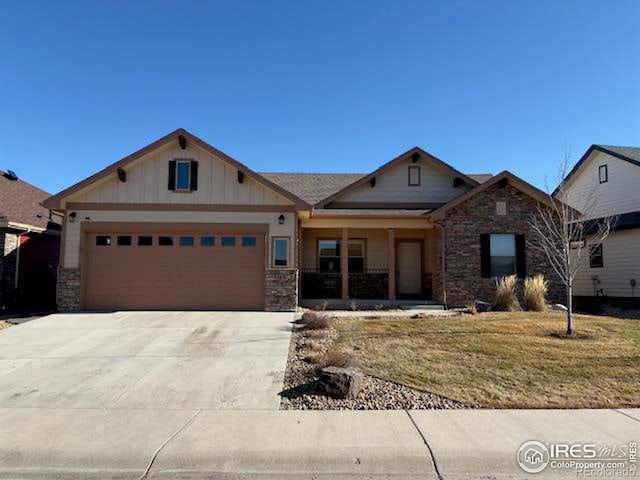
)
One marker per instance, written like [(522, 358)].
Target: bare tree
[(568, 230)]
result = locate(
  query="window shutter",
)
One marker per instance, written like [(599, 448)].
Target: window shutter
[(172, 175), (485, 255), (194, 175), (521, 256)]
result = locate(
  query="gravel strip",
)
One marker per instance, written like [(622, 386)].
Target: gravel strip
[(376, 394)]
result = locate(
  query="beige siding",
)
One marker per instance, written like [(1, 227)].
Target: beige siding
[(377, 253), (392, 186), (620, 194), (147, 180), (621, 259), (73, 230)]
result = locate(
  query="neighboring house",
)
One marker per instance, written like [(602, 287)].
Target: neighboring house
[(181, 225), (609, 175), (30, 245)]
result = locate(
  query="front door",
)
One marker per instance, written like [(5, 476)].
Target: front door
[(409, 268)]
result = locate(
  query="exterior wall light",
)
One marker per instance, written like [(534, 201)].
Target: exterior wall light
[(72, 217), (281, 219)]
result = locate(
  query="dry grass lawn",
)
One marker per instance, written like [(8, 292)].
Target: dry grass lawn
[(504, 359)]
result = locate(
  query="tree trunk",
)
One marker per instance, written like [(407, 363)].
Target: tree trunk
[(569, 309)]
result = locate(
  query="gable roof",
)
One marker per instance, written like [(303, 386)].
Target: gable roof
[(313, 187), (406, 155), (513, 180), (627, 154), (54, 202), (20, 204)]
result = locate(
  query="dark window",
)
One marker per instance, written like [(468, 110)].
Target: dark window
[(603, 174), (145, 241), (595, 256), (165, 241), (329, 255), (356, 255), (103, 240), (248, 241), (124, 240), (207, 241), (183, 175), (503, 255), (280, 252), (329, 252), (228, 241), (186, 241)]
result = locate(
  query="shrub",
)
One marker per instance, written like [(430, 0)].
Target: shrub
[(506, 299), (535, 292), (315, 358), (315, 321), (471, 309), (313, 345), (338, 358)]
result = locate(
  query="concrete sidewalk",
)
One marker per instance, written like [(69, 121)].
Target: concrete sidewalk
[(123, 443)]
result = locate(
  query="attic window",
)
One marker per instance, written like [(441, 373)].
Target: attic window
[(183, 175), (501, 207), (414, 176), (603, 174)]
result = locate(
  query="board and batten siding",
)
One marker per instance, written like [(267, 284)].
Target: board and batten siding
[(436, 186), (147, 182), (621, 260), (620, 194), (73, 229)]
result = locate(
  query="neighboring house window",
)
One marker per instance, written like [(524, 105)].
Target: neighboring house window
[(603, 174), (502, 255), (595, 256), (329, 252), (280, 252), (183, 175), (414, 176)]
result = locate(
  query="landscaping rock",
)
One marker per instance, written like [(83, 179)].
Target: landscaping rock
[(340, 382), (558, 307), (482, 307)]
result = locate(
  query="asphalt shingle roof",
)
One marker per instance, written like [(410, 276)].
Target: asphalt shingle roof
[(630, 152), (20, 203), (313, 187)]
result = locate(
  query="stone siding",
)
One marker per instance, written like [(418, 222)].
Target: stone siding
[(68, 291), (281, 290), (463, 226), (8, 263)]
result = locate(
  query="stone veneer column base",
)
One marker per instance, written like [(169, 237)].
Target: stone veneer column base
[(281, 290), (68, 289)]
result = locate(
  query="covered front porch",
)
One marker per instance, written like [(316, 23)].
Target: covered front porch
[(385, 262)]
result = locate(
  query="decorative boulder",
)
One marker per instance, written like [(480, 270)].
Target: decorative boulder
[(340, 382), (482, 307)]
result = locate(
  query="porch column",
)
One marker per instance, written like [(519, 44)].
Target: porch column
[(344, 262), (392, 263)]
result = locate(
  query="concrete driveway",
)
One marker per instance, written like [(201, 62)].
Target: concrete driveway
[(146, 360)]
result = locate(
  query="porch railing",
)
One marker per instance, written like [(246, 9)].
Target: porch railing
[(370, 283)]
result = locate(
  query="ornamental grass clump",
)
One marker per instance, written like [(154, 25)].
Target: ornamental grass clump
[(535, 293), (506, 299)]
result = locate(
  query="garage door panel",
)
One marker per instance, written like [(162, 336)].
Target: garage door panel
[(173, 277)]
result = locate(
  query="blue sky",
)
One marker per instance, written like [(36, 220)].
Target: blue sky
[(334, 86)]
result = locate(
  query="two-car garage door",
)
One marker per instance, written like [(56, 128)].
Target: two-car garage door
[(165, 270)]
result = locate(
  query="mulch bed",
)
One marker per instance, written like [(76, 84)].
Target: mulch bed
[(300, 382)]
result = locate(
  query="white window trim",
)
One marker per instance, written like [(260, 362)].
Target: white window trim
[(273, 252)]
